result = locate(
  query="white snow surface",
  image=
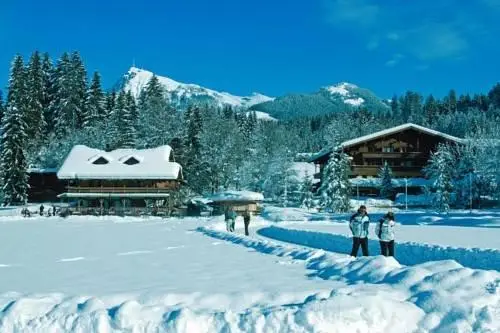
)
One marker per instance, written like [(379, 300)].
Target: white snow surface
[(354, 101), (140, 77), (111, 274), (341, 89), (299, 171), (237, 196), (153, 164), (263, 116)]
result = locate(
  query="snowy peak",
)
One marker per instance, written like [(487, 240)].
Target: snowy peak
[(347, 92), (183, 94)]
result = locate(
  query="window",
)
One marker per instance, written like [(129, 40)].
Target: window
[(100, 160), (388, 149), (131, 161)]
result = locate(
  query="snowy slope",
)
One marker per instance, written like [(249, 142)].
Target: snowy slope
[(334, 98), (181, 94)]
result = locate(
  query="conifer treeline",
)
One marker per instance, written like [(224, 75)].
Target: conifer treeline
[(50, 107)]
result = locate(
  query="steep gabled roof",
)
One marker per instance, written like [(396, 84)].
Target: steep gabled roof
[(151, 164), (385, 132)]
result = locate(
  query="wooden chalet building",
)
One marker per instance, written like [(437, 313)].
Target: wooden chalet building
[(122, 181), (406, 148)]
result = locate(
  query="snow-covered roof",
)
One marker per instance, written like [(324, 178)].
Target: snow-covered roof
[(89, 163), (236, 196), (385, 132)]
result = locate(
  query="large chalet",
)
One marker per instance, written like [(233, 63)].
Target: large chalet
[(405, 148), (122, 181)]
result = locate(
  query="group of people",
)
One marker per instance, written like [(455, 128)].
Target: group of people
[(384, 229), (50, 212), (230, 216)]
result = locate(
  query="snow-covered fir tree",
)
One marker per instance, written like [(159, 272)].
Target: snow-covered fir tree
[(2, 106), (158, 122), (306, 188), (441, 169), (385, 176), (110, 103), (48, 72), (14, 164), (335, 187), (36, 94), (67, 106), (95, 103)]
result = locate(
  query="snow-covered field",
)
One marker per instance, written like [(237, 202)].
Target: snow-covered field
[(90, 274)]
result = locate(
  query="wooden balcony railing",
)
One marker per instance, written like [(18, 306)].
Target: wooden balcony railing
[(395, 155), (400, 171), (79, 189)]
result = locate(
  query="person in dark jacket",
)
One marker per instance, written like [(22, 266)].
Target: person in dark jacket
[(41, 209), (359, 224), (246, 220), (385, 233)]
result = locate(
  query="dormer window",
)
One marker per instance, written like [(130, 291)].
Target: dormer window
[(132, 161), (100, 161)]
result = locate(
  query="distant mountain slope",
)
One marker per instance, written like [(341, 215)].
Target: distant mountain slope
[(340, 97), (182, 94)]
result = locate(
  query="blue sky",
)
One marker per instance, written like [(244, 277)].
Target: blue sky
[(273, 47)]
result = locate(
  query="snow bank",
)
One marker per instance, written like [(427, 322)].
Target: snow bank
[(237, 196), (408, 253), (440, 296)]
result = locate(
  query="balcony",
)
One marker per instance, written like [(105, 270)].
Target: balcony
[(398, 171), (395, 155), (79, 189)]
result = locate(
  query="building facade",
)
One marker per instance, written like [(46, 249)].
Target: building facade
[(122, 181), (406, 149)]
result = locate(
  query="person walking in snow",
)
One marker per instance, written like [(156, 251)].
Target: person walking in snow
[(385, 232), (229, 216), (41, 209), (359, 224), (246, 220)]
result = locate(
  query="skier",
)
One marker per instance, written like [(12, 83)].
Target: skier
[(41, 209), (359, 224), (385, 233), (246, 219)]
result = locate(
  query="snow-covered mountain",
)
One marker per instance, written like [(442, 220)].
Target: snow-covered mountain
[(346, 92), (339, 97), (183, 94)]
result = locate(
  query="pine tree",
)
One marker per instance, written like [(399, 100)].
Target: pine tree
[(494, 96), (48, 73), (17, 90), (128, 120), (14, 162), (386, 187), (2, 107), (62, 107), (452, 101), (306, 200), (110, 103), (440, 169), (431, 110), (79, 86), (95, 103), (36, 95), (395, 109), (335, 187)]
